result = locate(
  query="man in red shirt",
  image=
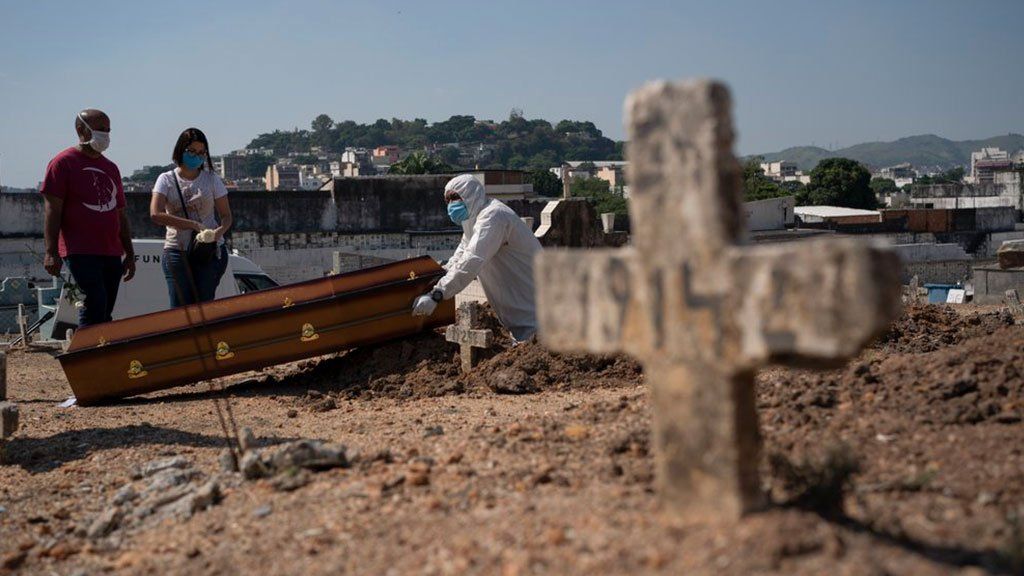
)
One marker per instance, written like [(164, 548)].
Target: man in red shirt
[(85, 224)]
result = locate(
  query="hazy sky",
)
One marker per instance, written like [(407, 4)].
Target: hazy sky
[(830, 73)]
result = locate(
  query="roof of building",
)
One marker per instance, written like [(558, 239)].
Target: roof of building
[(597, 163), (832, 211)]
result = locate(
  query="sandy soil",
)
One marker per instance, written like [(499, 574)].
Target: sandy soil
[(907, 461)]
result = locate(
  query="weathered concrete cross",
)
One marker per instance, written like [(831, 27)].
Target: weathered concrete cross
[(467, 334), (8, 411), (698, 310), (1013, 303), (23, 325)]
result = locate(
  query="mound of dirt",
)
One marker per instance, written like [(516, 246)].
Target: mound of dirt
[(925, 328), (974, 390), (417, 367), (426, 365), (530, 367)]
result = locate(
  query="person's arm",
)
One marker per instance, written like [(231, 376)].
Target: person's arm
[(158, 214), (459, 251), (126, 244), (52, 214), (489, 234), (224, 215)]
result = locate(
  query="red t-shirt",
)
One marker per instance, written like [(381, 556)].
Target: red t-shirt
[(93, 196)]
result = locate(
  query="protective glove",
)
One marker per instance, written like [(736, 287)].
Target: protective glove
[(206, 236), (424, 306)]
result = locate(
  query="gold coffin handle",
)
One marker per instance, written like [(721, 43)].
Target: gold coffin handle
[(136, 370), (224, 351), (308, 333)]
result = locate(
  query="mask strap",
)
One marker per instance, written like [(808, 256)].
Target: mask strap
[(80, 118)]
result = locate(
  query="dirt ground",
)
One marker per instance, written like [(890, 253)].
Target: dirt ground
[(907, 461)]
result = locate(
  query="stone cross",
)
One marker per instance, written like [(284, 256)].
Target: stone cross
[(8, 411), (23, 325), (467, 334), (914, 290), (700, 311), (3, 375), (1016, 308)]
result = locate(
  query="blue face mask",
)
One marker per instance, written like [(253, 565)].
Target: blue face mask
[(458, 212), (191, 161)]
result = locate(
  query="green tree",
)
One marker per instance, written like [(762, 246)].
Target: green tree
[(255, 165), (882, 186), (757, 186), (419, 163), (305, 159), (840, 182), (951, 176), (322, 123), (149, 173), (449, 155), (793, 187), (546, 183), (597, 191)]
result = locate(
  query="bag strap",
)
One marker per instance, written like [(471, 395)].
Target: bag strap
[(184, 207)]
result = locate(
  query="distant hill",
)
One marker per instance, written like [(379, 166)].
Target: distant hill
[(926, 151)]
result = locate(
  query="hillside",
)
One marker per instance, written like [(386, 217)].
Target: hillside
[(925, 151), (460, 141)]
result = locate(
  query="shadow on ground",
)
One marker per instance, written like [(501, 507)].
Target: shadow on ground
[(38, 455)]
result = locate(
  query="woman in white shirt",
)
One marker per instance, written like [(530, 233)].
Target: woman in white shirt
[(191, 200)]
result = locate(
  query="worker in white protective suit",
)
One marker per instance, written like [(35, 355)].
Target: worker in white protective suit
[(497, 247)]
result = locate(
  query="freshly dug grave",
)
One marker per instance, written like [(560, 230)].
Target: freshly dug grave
[(426, 366)]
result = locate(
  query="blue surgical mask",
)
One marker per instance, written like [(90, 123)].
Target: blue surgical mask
[(191, 161), (458, 212)]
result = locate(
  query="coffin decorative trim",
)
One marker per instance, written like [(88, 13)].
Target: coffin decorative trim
[(287, 303), (224, 351), (309, 333)]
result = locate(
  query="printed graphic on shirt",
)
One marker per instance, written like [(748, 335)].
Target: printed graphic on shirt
[(106, 198)]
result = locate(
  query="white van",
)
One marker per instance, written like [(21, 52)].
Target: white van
[(147, 291)]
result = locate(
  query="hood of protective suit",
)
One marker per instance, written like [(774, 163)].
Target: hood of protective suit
[(472, 193)]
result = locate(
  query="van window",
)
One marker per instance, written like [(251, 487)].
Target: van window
[(253, 282)]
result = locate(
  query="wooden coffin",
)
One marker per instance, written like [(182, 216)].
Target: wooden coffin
[(193, 343)]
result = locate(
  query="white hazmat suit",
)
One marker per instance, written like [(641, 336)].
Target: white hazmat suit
[(497, 247)]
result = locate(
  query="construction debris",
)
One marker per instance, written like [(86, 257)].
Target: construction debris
[(1011, 254), (288, 465), (168, 488)]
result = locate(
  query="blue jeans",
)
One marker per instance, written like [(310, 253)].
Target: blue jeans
[(98, 277), (188, 285)]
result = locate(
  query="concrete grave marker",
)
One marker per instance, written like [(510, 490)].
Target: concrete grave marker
[(467, 334), (3, 375), (956, 296), (8, 420), (8, 411), (1016, 308), (701, 312), (914, 290), (23, 325)]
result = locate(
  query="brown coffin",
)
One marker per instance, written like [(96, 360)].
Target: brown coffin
[(185, 345)]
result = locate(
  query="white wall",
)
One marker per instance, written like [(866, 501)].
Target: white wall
[(770, 214)]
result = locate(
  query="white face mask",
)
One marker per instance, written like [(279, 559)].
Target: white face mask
[(100, 140)]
